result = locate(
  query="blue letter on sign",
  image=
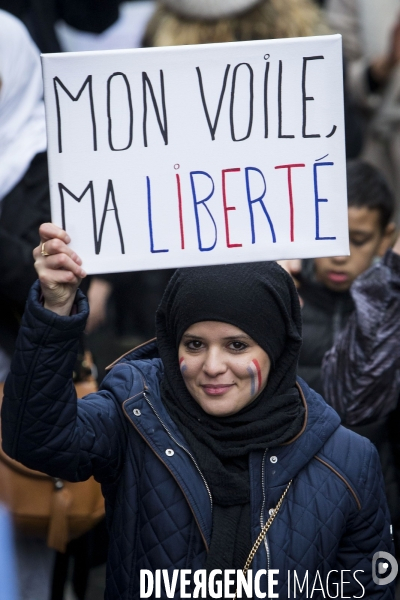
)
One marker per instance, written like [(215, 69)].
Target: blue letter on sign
[(318, 200), (196, 210)]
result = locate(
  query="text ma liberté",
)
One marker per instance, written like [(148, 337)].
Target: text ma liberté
[(255, 202)]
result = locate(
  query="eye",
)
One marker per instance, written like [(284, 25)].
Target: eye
[(193, 345), (359, 241), (238, 346)]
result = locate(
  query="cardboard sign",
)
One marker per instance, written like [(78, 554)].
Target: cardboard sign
[(198, 155)]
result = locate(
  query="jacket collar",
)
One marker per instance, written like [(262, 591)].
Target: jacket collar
[(147, 350), (320, 419), (320, 423)]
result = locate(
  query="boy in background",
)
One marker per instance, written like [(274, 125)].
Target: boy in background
[(324, 283)]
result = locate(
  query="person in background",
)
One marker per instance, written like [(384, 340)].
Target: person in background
[(361, 372), (24, 187), (24, 203), (40, 17), (177, 22), (371, 45), (324, 283)]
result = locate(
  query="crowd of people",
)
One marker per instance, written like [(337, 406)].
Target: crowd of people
[(339, 332)]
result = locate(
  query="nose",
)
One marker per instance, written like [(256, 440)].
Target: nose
[(214, 364), (340, 260)]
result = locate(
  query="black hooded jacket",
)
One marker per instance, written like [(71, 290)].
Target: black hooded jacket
[(325, 313)]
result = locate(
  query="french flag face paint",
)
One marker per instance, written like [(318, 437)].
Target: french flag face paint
[(254, 371), (182, 365)]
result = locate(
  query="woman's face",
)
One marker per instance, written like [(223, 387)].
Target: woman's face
[(223, 368)]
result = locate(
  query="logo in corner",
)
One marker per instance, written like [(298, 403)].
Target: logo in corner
[(380, 565)]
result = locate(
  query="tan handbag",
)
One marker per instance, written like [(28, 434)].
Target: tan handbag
[(49, 507)]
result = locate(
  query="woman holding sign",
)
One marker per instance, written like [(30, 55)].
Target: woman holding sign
[(212, 457)]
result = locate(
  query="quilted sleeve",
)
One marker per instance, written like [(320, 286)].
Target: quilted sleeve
[(361, 372), (368, 532), (43, 425)]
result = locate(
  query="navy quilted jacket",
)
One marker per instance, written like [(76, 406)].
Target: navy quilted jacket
[(159, 508)]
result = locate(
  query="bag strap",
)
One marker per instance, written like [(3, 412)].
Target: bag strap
[(263, 532)]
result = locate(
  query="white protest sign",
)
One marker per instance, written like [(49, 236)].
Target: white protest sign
[(198, 155)]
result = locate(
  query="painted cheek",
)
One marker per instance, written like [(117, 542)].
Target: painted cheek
[(258, 369), (182, 365), (254, 371), (252, 381)]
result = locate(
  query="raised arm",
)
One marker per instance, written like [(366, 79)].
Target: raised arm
[(43, 424)]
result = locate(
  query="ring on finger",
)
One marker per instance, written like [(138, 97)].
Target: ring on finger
[(43, 250)]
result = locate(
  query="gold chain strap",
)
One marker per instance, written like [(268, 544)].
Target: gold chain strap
[(263, 533)]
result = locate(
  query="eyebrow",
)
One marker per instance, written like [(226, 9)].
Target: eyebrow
[(229, 337), (237, 337), (360, 232)]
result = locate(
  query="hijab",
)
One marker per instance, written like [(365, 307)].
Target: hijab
[(260, 299), (22, 121)]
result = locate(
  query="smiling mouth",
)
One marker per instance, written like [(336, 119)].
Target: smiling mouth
[(216, 389)]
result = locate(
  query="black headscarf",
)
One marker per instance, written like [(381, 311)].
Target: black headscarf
[(260, 299)]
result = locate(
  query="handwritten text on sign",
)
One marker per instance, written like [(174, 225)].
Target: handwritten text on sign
[(199, 154)]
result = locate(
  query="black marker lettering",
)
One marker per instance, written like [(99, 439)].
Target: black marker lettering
[(307, 98), (162, 125), (280, 134), (130, 128), (251, 95), (87, 82), (266, 99), (110, 193), (332, 132), (212, 127), (63, 189)]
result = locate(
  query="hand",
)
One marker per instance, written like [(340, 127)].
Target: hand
[(293, 267), (98, 294), (59, 271)]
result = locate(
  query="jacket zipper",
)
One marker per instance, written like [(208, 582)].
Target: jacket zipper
[(172, 475), (180, 446), (262, 513)]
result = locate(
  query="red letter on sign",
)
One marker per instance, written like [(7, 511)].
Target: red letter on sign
[(178, 184), (289, 168), (226, 208)]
